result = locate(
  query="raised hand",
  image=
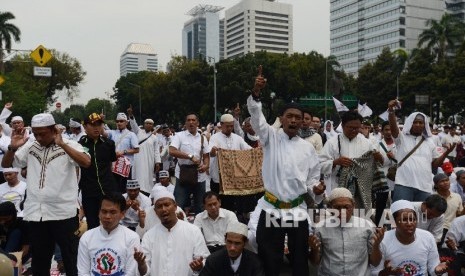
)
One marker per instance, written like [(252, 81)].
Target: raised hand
[(17, 138), (139, 256), (378, 236), (260, 83), (129, 110), (8, 105), (314, 243)]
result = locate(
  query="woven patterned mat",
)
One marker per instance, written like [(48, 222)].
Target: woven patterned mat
[(241, 171)]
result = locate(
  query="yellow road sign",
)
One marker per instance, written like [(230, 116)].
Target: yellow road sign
[(2, 80), (41, 55)]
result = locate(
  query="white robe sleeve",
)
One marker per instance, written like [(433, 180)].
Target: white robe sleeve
[(83, 260)]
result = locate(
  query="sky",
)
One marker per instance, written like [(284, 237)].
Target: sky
[(96, 32)]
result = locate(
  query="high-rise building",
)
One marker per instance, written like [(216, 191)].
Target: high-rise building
[(256, 25), (138, 57), (201, 34), (360, 29), (456, 8)]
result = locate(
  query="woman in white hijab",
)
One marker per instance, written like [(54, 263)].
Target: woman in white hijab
[(329, 130), (413, 180)]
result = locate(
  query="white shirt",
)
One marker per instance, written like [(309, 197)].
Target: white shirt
[(14, 194), (4, 143), (454, 205), (131, 218), (419, 257), (52, 186), (290, 166), (349, 148), (145, 160), (236, 263), (456, 232), (434, 225), (388, 162), (214, 230), (449, 140), (416, 171), (185, 142), (221, 141), (169, 252), (151, 219), (101, 253)]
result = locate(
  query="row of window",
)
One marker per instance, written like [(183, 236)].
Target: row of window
[(382, 16), (368, 31), (271, 19), (235, 28), (236, 39), (272, 48), (271, 42), (345, 8), (271, 37), (381, 5), (273, 31), (344, 28), (236, 50), (379, 49), (235, 17), (344, 47), (271, 25), (234, 34), (235, 45), (382, 37), (272, 14)]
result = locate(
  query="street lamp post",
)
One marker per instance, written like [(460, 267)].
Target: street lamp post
[(326, 86), (214, 86), (140, 101)]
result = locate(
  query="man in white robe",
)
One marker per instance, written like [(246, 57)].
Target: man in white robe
[(174, 247), (147, 161)]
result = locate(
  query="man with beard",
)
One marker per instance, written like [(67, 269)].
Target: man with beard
[(147, 161), (414, 143), (174, 247)]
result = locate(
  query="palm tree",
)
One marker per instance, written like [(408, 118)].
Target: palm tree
[(8, 32), (442, 35)]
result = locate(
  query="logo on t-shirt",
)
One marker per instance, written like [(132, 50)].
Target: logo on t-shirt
[(107, 262), (410, 267)]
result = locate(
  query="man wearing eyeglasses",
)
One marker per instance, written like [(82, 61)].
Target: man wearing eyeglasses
[(127, 145)]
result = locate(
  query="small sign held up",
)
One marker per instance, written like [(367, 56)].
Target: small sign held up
[(42, 71)]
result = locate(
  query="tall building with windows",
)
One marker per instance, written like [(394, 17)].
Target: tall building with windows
[(456, 8), (360, 29), (256, 25), (201, 34), (138, 57)]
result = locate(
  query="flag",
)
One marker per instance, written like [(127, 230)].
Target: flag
[(384, 116), (339, 106), (364, 110)]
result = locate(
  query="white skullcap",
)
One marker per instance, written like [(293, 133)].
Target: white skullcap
[(150, 121), (74, 124), (340, 192), (132, 184), (237, 228), (401, 204), (60, 126), (227, 118), (42, 120), (121, 116), (17, 118), (6, 170), (157, 189), (163, 174), (162, 194)]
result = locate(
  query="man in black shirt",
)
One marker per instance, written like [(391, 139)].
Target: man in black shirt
[(97, 180)]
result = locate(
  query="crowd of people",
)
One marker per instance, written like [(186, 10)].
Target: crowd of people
[(354, 199)]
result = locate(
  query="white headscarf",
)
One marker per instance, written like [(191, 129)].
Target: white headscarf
[(409, 122), (331, 133)]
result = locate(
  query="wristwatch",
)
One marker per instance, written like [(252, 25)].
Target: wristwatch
[(13, 149), (125, 152), (190, 156)]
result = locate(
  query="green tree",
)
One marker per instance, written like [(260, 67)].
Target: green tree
[(442, 35), (8, 34)]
